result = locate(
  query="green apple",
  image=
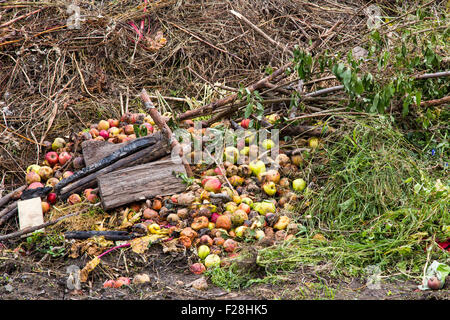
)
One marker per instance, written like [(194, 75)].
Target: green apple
[(299, 185), (268, 144), (231, 154), (34, 168), (270, 188), (244, 151), (247, 201), (264, 207), (257, 167)]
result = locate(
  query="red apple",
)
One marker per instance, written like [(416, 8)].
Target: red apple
[(94, 133), (245, 123), (113, 123), (74, 198), (52, 158), (149, 127), (104, 134), (45, 207), (64, 157), (212, 185), (67, 174), (35, 185), (51, 198)]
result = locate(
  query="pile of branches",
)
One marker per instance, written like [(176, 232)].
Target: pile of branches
[(63, 65)]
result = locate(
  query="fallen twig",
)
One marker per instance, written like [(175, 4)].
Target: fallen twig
[(5, 199), (41, 226)]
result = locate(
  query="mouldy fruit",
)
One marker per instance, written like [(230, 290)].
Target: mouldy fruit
[(52, 182), (78, 163), (270, 188), (157, 204), (240, 231), (206, 240), (313, 142), (223, 222), (236, 181), (185, 241), (45, 172), (173, 219), (52, 158), (183, 213), (35, 185), (32, 177), (34, 168), (200, 223), (74, 198), (272, 175), (197, 268), (264, 207), (203, 251), (58, 143), (113, 123), (141, 278), (282, 223), (67, 174), (232, 170), (282, 160), (212, 260), (230, 245), (238, 217), (297, 160), (434, 283), (257, 167), (189, 233)]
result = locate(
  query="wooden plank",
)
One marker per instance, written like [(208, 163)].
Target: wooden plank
[(30, 213), (155, 152), (94, 151), (140, 182)]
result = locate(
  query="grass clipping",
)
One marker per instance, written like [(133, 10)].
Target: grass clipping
[(381, 206)]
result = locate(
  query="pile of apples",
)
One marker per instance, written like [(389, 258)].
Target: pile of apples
[(60, 161), (227, 204)]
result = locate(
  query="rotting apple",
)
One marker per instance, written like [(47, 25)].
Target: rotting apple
[(113, 123), (58, 143), (212, 185), (32, 177), (35, 185), (94, 132), (270, 188), (74, 198), (45, 207), (230, 245), (64, 157), (52, 182), (67, 174), (197, 268), (257, 167), (52, 158), (45, 172), (34, 168), (103, 125)]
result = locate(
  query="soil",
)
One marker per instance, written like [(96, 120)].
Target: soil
[(40, 277)]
